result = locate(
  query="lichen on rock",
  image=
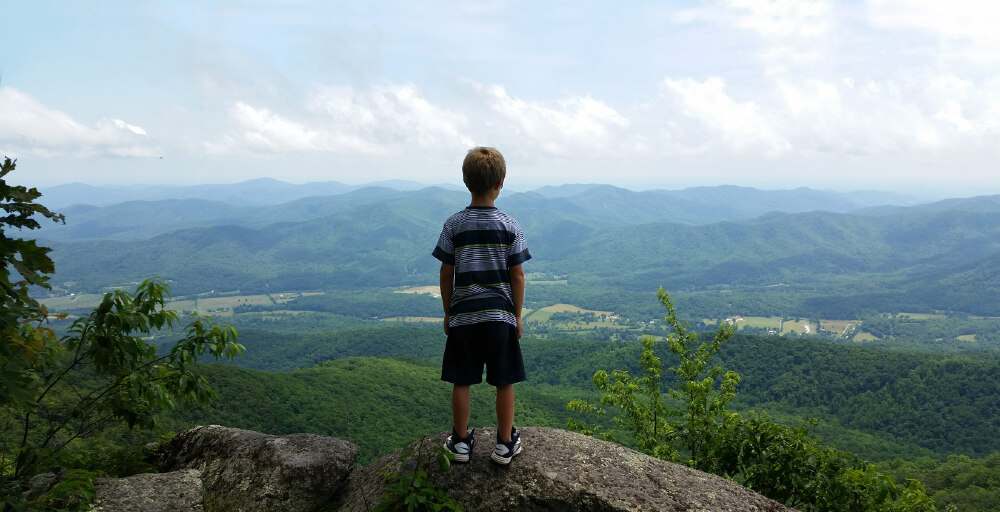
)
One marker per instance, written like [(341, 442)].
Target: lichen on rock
[(246, 471), (561, 470), (177, 491), (215, 469)]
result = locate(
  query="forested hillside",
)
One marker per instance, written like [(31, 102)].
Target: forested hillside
[(924, 258), (380, 404), (872, 328), (945, 405)]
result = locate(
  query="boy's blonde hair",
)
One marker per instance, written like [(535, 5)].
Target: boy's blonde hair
[(483, 169)]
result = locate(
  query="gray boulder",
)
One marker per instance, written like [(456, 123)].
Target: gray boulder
[(562, 470), (179, 491), (246, 471), (40, 484)]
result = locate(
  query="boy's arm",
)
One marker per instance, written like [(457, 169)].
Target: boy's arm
[(517, 282), (447, 287)]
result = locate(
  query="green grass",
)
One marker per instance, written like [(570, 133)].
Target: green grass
[(379, 404), (545, 314), (863, 336), (76, 301), (788, 326), (218, 305), (838, 327), (759, 322), (418, 319), (804, 327), (922, 316)]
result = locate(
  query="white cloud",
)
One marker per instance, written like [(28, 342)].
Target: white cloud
[(138, 130), (575, 125), (261, 130), (782, 116), (807, 116), (791, 32), (349, 121), (738, 125), (783, 18), (395, 114), (972, 21), (768, 18), (28, 126), (385, 119), (829, 84)]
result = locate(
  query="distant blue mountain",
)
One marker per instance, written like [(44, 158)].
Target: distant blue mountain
[(939, 256), (260, 202), (262, 191)]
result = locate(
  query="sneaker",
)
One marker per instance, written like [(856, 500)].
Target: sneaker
[(459, 447), (505, 452)]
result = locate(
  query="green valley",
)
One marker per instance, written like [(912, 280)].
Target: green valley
[(849, 325)]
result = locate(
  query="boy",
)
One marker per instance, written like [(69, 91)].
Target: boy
[(482, 288)]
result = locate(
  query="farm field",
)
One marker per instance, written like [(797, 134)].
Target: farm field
[(412, 319), (969, 338), (758, 322), (839, 327), (863, 336), (73, 301), (804, 327), (218, 305), (432, 290), (545, 314), (543, 278), (789, 326), (922, 316)]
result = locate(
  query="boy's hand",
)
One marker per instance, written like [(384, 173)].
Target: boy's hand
[(446, 325), (520, 328)]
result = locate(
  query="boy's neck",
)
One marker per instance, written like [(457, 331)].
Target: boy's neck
[(483, 202)]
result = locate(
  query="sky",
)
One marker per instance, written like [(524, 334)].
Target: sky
[(899, 95)]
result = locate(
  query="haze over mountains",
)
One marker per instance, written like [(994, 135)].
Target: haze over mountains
[(831, 253), (123, 213), (271, 191), (253, 192)]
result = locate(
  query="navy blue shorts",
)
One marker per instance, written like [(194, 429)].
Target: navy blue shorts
[(490, 344)]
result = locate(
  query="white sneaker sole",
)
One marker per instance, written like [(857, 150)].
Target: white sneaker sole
[(459, 457), (500, 459)]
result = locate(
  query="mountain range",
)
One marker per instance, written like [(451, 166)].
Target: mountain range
[(146, 212), (259, 191), (833, 254)]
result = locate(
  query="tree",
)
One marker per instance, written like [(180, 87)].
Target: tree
[(780, 462), (107, 369), (700, 399), (110, 371), (25, 343)]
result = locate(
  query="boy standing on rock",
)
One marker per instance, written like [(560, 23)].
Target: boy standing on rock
[(482, 288)]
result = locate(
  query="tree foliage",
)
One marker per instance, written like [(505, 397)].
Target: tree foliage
[(109, 371), (106, 370), (960, 481), (693, 424), (410, 488), (25, 343), (704, 392)]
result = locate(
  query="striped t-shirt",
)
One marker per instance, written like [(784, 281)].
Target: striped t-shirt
[(483, 244)]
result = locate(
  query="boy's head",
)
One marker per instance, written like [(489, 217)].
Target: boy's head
[(483, 171)]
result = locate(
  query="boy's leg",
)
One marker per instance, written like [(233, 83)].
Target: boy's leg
[(460, 408), (505, 412)]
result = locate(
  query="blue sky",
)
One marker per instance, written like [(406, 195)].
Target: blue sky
[(889, 94)]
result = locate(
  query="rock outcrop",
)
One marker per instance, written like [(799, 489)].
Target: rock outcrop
[(246, 471), (177, 491), (215, 469), (561, 470)]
